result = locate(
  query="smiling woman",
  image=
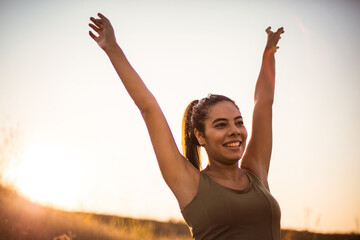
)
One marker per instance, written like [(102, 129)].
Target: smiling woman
[(48, 175), (246, 209)]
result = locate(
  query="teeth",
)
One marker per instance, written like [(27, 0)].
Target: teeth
[(235, 144)]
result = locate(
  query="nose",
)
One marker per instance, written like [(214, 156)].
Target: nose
[(234, 130)]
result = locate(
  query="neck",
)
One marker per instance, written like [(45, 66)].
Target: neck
[(223, 171)]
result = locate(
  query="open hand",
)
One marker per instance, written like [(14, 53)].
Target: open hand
[(106, 36), (273, 39)]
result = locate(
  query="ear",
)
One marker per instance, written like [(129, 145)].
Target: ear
[(200, 137)]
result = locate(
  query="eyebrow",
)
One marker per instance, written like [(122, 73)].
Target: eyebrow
[(224, 119)]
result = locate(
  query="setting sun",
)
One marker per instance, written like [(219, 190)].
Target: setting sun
[(49, 175)]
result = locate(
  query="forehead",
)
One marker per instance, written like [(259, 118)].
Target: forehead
[(224, 109)]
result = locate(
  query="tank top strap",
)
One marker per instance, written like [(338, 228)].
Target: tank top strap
[(204, 179), (253, 177)]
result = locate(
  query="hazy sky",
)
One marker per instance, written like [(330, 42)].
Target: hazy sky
[(85, 146)]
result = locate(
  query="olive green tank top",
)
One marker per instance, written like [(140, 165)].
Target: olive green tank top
[(218, 212)]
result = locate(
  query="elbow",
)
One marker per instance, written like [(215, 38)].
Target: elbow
[(267, 102), (148, 106), (264, 101), (144, 102), (145, 110), (264, 98), (264, 94)]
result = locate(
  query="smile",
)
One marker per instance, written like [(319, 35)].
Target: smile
[(233, 144)]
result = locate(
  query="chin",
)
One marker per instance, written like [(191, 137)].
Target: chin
[(233, 160)]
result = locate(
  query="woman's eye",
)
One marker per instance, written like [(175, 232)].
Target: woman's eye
[(219, 125), (240, 123)]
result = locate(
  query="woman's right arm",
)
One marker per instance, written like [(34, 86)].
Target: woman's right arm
[(177, 171)]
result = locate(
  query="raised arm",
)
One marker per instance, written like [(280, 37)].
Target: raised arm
[(176, 170), (131, 80), (258, 152)]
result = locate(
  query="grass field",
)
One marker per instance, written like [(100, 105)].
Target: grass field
[(21, 219)]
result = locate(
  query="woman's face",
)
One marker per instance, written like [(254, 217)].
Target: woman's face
[(225, 135)]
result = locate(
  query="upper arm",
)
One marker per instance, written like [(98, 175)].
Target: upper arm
[(177, 171), (258, 152)]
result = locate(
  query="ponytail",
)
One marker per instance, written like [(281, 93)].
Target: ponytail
[(190, 144)]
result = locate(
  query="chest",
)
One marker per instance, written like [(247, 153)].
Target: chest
[(218, 212), (235, 208)]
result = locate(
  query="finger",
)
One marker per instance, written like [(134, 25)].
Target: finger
[(268, 30), (101, 16), (280, 31), (97, 22), (277, 34), (96, 29), (93, 36)]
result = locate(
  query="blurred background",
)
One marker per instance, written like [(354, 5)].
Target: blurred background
[(76, 141)]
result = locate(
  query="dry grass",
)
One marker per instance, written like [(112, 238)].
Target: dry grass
[(21, 219)]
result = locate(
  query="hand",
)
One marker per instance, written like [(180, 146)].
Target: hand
[(103, 28), (273, 39)]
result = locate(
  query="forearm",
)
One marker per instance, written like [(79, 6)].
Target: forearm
[(129, 77), (265, 85)]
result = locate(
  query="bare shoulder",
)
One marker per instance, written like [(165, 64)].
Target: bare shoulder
[(186, 185)]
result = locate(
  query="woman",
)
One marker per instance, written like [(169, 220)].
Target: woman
[(224, 201)]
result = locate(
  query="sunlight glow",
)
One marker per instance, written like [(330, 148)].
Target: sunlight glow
[(49, 175)]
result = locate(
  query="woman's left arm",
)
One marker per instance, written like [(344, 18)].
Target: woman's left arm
[(258, 152)]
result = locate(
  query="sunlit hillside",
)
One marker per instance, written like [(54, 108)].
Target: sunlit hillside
[(21, 219)]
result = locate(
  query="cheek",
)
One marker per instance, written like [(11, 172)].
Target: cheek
[(244, 133), (215, 136), (212, 139)]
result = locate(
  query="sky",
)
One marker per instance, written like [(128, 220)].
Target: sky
[(84, 145)]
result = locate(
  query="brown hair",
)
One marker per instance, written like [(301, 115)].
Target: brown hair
[(194, 116)]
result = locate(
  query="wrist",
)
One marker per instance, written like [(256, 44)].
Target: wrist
[(110, 47), (269, 52)]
